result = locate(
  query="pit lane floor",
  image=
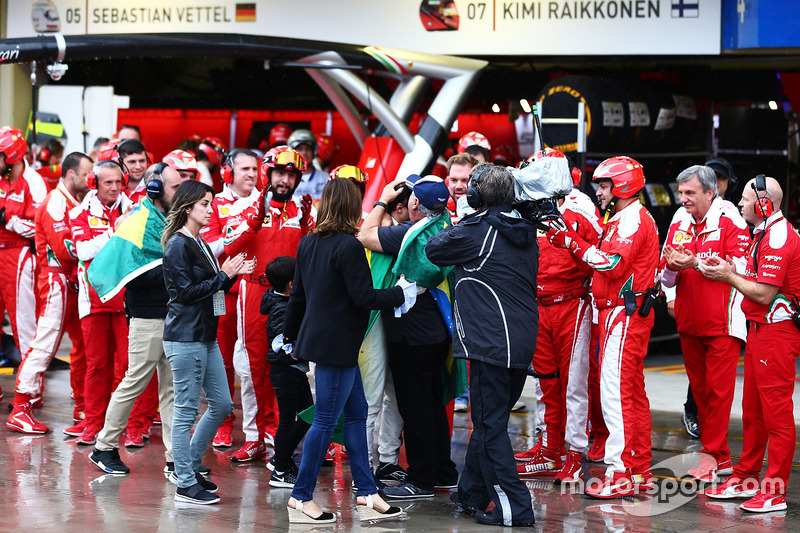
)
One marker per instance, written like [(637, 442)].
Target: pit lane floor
[(47, 483)]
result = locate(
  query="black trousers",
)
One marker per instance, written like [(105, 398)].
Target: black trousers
[(294, 395), (690, 407), (490, 472), (417, 375)]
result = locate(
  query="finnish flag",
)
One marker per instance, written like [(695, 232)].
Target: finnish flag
[(685, 9)]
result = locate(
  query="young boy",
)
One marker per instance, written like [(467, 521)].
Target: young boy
[(288, 375)]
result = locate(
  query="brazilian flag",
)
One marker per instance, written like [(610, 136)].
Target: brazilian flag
[(134, 249)]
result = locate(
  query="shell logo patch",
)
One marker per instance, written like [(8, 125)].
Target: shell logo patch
[(682, 236)]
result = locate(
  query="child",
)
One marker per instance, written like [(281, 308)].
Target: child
[(287, 374)]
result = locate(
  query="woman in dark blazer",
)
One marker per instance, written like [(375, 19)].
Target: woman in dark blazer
[(327, 318), (196, 285)]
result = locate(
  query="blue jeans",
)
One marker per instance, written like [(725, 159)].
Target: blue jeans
[(339, 389), (196, 365)]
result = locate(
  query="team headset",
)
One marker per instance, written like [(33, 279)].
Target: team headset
[(91, 177), (474, 196), (763, 206), (226, 170), (155, 186)]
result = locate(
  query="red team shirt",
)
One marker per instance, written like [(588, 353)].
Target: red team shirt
[(92, 227), (230, 213), (704, 307), (285, 229), (559, 273), (54, 245), (21, 201), (779, 265), (631, 243)]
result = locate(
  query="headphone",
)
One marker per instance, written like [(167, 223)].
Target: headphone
[(155, 185), (763, 205), (226, 170), (44, 156), (91, 177), (474, 196)]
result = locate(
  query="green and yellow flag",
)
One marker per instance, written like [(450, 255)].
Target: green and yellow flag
[(134, 249)]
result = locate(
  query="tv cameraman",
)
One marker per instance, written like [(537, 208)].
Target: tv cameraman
[(496, 255)]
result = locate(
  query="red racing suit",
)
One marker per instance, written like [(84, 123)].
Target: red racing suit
[(773, 344), (561, 360), (279, 234), (104, 326), (58, 298), (17, 264), (228, 221), (626, 260), (709, 316), (136, 195)]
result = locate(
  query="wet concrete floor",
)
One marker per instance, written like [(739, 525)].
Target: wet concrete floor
[(48, 484)]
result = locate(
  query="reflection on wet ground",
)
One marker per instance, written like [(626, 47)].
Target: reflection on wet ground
[(48, 484)]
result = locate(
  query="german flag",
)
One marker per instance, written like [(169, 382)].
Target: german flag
[(245, 12)]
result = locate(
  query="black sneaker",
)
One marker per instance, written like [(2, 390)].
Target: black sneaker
[(407, 491), (388, 472), (690, 423), (109, 461), (446, 485), (170, 468), (468, 510), (195, 494), (206, 484), (284, 480), (492, 519)]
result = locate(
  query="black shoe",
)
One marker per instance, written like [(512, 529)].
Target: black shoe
[(490, 519), (195, 494), (466, 509), (690, 423), (109, 461), (407, 491), (170, 468), (284, 480), (206, 484), (388, 472)]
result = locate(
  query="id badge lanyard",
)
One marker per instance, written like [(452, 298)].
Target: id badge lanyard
[(218, 298)]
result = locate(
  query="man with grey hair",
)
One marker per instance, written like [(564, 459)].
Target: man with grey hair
[(708, 313), (495, 254)]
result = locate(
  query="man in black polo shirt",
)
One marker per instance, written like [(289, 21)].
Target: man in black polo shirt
[(418, 343)]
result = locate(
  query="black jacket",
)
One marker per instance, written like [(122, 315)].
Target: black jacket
[(191, 282), (495, 311), (331, 297), (146, 295), (274, 304)]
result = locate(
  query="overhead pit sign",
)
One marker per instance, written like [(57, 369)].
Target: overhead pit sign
[(482, 27)]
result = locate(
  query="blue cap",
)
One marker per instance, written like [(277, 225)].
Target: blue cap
[(430, 190)]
